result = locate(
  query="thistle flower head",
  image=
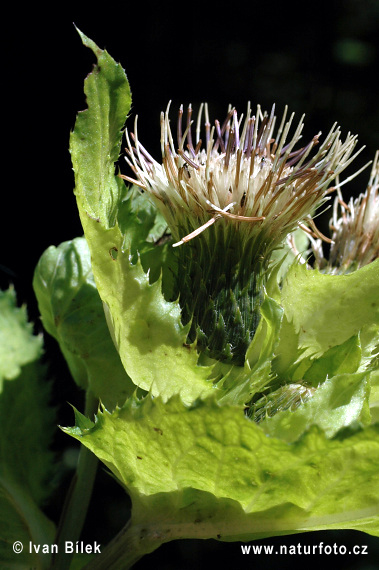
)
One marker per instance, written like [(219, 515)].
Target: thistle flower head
[(230, 194), (355, 230), (247, 173)]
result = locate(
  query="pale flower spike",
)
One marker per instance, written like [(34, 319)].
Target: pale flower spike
[(248, 174)]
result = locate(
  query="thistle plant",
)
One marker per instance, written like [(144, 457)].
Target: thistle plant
[(232, 386)]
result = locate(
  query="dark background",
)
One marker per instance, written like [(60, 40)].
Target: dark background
[(321, 59)]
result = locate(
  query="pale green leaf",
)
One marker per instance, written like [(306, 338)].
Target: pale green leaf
[(146, 235), (209, 472), (95, 141), (327, 310)]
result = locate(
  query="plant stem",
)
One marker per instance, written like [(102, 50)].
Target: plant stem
[(128, 546), (77, 498)]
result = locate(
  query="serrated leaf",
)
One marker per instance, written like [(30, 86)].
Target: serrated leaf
[(370, 348), (287, 350), (17, 345), (26, 464), (207, 472), (95, 141), (72, 312)]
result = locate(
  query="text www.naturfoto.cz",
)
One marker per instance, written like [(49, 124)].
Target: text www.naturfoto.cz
[(320, 548)]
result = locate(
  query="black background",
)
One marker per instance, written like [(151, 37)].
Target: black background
[(321, 59)]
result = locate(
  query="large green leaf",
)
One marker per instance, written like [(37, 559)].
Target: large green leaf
[(26, 430), (207, 471), (72, 312)]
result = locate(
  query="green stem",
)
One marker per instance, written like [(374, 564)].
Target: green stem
[(78, 497), (129, 546)]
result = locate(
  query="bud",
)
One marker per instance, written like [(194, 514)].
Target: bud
[(355, 230), (230, 200), (287, 397)]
